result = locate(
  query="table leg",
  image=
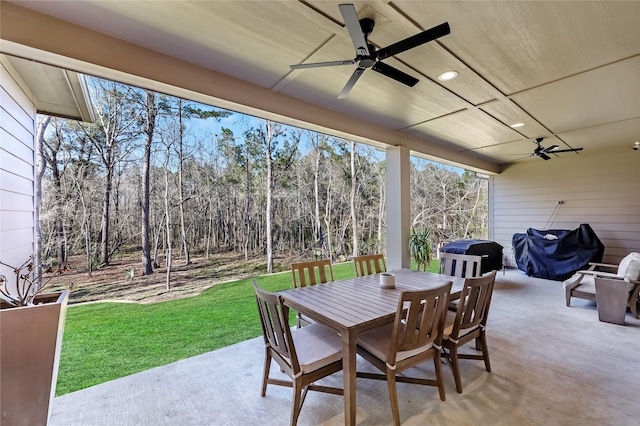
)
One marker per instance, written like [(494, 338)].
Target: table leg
[(349, 341)]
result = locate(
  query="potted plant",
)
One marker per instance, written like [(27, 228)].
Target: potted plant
[(420, 248), (31, 328)]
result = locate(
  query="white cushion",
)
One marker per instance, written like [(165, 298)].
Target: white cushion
[(448, 326), (316, 346), (587, 285), (378, 342), (629, 267), (579, 280)]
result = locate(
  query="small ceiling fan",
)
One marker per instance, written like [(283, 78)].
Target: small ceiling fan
[(366, 54), (542, 152)]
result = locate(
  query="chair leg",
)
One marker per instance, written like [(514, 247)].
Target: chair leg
[(567, 295), (455, 366), (393, 397), (439, 378), (633, 301), (485, 351), (265, 373), (296, 404)]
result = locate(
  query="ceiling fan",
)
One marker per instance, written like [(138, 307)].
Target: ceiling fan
[(366, 54), (542, 152)]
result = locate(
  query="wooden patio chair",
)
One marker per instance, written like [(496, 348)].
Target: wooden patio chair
[(468, 323), (310, 273), (306, 355), (582, 283), (460, 265), (368, 265), (414, 337)]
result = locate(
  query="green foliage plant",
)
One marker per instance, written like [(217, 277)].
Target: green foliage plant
[(420, 248)]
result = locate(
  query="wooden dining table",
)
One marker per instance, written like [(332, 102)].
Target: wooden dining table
[(353, 305)]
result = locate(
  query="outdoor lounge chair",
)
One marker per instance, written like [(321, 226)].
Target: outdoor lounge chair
[(582, 285)]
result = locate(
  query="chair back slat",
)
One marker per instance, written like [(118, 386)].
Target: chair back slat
[(274, 318), (419, 319), (311, 273), (368, 265), (460, 265), (473, 308)]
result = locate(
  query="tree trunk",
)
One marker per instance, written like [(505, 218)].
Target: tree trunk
[(247, 219), (210, 226), (167, 212), (41, 166), (147, 267), (316, 195), (354, 222), (59, 208), (381, 212), (183, 229), (269, 212), (327, 218), (106, 203)]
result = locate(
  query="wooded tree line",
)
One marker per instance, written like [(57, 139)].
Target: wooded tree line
[(163, 175)]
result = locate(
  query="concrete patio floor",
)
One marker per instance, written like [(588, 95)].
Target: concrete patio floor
[(552, 365)]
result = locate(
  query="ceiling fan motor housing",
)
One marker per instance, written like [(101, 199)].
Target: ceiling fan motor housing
[(370, 60), (367, 24)]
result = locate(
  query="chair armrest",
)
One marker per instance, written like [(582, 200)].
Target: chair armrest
[(598, 274), (602, 265)]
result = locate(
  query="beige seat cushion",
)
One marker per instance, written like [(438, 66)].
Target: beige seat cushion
[(378, 342), (316, 346), (448, 326), (587, 285)]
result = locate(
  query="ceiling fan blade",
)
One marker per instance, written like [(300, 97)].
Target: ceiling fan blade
[(394, 73), (352, 81), (551, 148), (414, 41), (355, 31), (522, 156), (556, 151), (543, 156), (323, 64)]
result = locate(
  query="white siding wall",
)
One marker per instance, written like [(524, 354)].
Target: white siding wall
[(17, 130), (601, 189)]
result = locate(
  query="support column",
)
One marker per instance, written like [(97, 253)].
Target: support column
[(398, 208)]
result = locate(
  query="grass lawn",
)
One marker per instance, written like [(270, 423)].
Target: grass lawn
[(106, 341)]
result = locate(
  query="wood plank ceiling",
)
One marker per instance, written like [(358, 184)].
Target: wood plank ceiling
[(568, 70)]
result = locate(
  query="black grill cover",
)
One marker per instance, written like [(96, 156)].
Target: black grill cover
[(490, 250), (540, 254)]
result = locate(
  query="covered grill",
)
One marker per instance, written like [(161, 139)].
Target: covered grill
[(490, 251)]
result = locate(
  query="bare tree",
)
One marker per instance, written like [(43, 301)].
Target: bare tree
[(117, 119), (41, 166), (257, 195), (352, 204), (150, 117), (51, 150)]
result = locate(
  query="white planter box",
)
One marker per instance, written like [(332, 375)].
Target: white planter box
[(30, 343)]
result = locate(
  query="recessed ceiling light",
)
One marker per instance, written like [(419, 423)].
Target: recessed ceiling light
[(448, 75), (515, 125)]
